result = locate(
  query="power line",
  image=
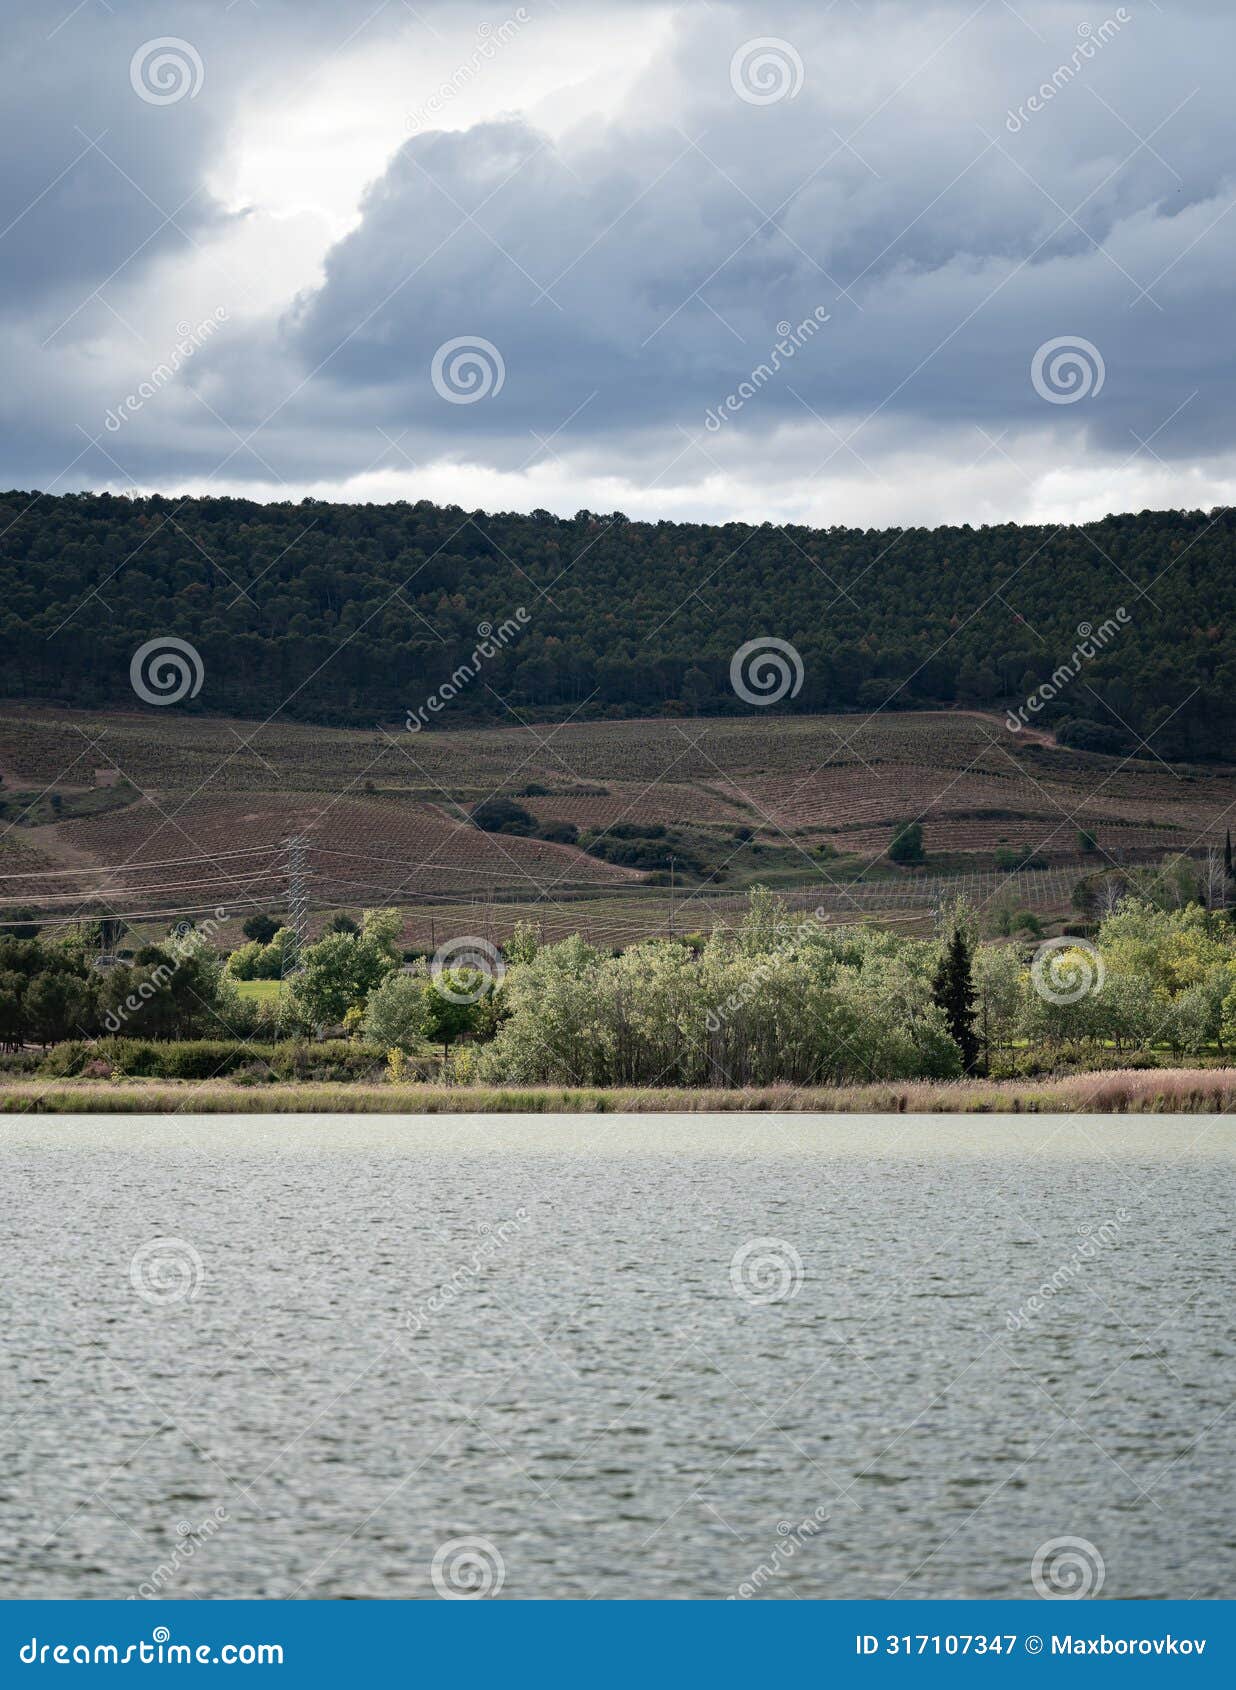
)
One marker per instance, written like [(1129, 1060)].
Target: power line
[(133, 867), (238, 884)]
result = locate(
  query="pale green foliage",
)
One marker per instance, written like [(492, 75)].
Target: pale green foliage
[(256, 961), (412, 1010), (523, 943), (1168, 977), (381, 928), (959, 914), (783, 999), (1000, 983), (395, 1014), (1171, 885)]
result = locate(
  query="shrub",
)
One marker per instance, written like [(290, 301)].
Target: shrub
[(650, 851), (503, 815), (907, 845), (262, 928), (19, 1061), (1009, 857), (559, 833), (207, 1059), (1084, 735)]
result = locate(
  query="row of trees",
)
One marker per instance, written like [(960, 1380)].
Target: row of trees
[(364, 611), (787, 999), (784, 1000), (51, 991), (781, 999)]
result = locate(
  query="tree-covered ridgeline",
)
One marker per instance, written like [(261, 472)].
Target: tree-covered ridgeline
[(352, 613), (783, 999)]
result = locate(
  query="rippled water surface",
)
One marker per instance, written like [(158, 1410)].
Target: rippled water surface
[(373, 1336)]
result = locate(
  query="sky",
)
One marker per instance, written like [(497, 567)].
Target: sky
[(856, 263)]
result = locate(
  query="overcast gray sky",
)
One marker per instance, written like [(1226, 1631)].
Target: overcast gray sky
[(543, 255)]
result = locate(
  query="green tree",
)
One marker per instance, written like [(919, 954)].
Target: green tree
[(261, 928), (907, 845), (58, 1005), (395, 1014), (20, 924), (952, 990), (523, 943), (449, 1010), (341, 969), (13, 1020), (1000, 983)]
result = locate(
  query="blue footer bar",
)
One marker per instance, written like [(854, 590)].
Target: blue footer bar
[(641, 1643)]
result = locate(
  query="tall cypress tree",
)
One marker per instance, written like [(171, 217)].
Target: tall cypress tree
[(953, 990)]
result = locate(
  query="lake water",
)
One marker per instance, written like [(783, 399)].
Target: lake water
[(704, 1356)]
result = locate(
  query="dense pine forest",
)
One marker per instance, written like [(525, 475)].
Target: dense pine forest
[(347, 614)]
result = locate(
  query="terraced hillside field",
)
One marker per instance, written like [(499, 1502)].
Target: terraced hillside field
[(149, 815)]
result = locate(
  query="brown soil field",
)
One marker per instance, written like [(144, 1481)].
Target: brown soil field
[(385, 812)]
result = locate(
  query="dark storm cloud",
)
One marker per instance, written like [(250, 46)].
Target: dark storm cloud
[(948, 215), (98, 181), (950, 187), (91, 173)]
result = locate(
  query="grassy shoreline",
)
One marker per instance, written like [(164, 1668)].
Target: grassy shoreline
[(1192, 1091)]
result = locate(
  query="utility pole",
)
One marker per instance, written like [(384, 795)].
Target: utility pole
[(298, 906), (672, 862)]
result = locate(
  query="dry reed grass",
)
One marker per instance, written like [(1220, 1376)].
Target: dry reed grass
[(1168, 1091)]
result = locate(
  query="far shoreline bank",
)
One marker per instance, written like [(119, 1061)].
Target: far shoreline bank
[(1166, 1091)]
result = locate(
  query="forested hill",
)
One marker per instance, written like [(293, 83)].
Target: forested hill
[(359, 613)]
